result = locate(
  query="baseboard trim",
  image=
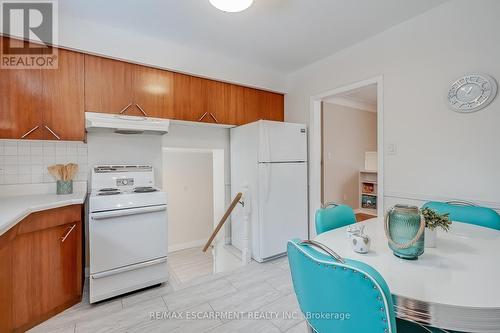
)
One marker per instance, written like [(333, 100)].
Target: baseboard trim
[(187, 245)]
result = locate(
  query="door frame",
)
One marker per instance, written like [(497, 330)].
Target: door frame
[(218, 174), (315, 153)]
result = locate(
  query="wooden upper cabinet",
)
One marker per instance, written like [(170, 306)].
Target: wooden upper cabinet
[(113, 86), (34, 102), (253, 105), (235, 113), (20, 113), (198, 99), (108, 86), (273, 106), (215, 101), (153, 92), (188, 101), (63, 98)]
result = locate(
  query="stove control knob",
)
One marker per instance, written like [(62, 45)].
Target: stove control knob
[(124, 182)]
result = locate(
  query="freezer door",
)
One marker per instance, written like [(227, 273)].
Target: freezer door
[(282, 206), (282, 142)]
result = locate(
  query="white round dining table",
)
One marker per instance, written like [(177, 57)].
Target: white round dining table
[(454, 286)]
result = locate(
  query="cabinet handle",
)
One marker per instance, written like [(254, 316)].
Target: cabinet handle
[(203, 116), (29, 132), (52, 132), (63, 238), (125, 108), (140, 109), (211, 115)]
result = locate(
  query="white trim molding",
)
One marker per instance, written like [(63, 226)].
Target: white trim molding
[(187, 245), (431, 197), (352, 103), (315, 144)]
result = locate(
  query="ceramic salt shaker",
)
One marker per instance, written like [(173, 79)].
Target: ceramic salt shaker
[(360, 242)]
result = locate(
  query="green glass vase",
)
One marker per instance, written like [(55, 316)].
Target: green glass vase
[(404, 228), (64, 187)]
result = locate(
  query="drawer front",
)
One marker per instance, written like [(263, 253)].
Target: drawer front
[(50, 218)]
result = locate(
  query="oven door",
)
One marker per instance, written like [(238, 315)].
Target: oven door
[(125, 237)]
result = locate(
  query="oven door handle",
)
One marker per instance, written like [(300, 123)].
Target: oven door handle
[(128, 268), (127, 212)]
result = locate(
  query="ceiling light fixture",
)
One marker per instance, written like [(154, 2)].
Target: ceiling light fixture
[(231, 6)]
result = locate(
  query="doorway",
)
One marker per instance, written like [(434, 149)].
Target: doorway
[(194, 183), (346, 149)]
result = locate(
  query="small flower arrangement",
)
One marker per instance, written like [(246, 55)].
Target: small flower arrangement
[(435, 220)]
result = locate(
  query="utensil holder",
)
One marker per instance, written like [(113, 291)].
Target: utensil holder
[(64, 187)]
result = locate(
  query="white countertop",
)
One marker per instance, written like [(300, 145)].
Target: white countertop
[(16, 207)]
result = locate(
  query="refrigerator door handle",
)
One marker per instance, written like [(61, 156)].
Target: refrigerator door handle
[(265, 144), (267, 181)]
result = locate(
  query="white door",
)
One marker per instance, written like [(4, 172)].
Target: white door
[(282, 142), (128, 236), (282, 206)]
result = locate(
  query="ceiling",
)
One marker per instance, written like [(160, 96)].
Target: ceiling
[(364, 98), (281, 34), (366, 94)]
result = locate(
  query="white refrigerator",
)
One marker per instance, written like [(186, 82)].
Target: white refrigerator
[(270, 159)]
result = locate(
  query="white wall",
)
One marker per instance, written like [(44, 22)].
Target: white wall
[(91, 37), (111, 148), (204, 137), (189, 182), (440, 153), (347, 134)]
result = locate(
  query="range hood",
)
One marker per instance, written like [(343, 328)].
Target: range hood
[(98, 122)]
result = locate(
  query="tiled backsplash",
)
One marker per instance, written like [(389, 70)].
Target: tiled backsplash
[(26, 161)]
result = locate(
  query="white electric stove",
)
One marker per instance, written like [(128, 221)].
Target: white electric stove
[(127, 231)]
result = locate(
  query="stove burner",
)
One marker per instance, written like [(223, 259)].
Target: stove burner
[(108, 189), (109, 193), (144, 189)]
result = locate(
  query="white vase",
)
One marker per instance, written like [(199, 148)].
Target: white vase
[(430, 237)]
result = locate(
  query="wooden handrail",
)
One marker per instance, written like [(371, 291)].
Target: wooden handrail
[(223, 220)]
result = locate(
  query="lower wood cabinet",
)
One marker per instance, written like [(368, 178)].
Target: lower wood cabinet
[(42, 256)]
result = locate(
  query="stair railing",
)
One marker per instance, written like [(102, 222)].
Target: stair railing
[(223, 220)]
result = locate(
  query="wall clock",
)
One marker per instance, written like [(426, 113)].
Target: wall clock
[(472, 92)]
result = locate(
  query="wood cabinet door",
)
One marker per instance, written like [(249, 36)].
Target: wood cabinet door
[(215, 101), (63, 98), (273, 106), (188, 98), (20, 113), (46, 265), (153, 92), (108, 86), (236, 105), (253, 105)]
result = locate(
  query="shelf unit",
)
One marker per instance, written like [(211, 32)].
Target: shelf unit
[(368, 199)]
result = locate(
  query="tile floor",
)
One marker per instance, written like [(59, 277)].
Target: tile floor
[(265, 288), (188, 264)]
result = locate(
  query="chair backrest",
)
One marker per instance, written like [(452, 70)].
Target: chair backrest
[(340, 297), (333, 217), (482, 216)]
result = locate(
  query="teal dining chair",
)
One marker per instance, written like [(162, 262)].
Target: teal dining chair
[(342, 295), (467, 212), (333, 216)]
